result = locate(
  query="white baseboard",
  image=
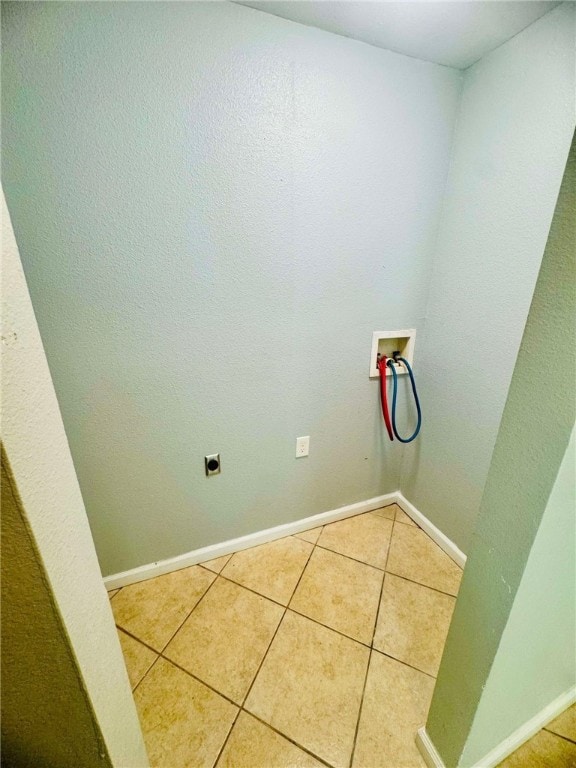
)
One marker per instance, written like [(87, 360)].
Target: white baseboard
[(150, 570), (529, 729), (428, 750), (435, 534), (511, 744)]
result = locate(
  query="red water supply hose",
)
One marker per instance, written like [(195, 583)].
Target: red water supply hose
[(384, 395)]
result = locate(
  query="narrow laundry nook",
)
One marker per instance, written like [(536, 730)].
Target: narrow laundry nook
[(289, 285), (316, 649)]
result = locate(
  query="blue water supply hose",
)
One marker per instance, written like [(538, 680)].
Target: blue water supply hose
[(390, 363)]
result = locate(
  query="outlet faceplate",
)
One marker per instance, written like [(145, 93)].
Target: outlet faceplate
[(302, 446), (212, 464), (387, 342)]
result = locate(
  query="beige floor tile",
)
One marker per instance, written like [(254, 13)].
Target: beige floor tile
[(388, 512), (309, 688), (311, 535), (113, 592), (225, 638), (402, 517), (153, 610), (253, 745), (415, 556), (217, 564), (340, 593), (364, 537), (413, 623), (270, 569), (137, 657), (565, 724), (184, 723), (395, 705), (545, 750)]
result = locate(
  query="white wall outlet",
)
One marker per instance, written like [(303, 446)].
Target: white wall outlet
[(302, 446), (387, 342)]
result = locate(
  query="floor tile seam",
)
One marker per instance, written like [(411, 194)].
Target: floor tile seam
[(254, 592), (316, 546), (150, 668), (147, 645), (421, 584), (288, 738), (161, 655), (404, 663), (299, 535), (359, 716), (204, 568), (201, 681), (560, 735), (289, 606), (191, 610), (227, 739), (265, 655), (327, 626), (239, 707), (349, 557), (410, 525), (360, 708), (139, 640)]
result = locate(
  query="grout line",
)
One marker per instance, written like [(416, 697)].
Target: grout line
[(362, 562), (286, 608), (145, 673), (263, 659), (142, 642), (199, 680), (266, 655), (208, 570), (420, 584), (288, 738), (405, 663), (327, 626), (249, 589), (227, 739), (196, 604), (277, 628), (372, 644), (560, 736)]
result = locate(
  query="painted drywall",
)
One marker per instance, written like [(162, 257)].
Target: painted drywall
[(454, 34), (59, 642), (512, 137), (215, 208), (532, 440), (536, 661), (46, 716)]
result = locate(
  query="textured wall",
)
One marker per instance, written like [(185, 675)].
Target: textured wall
[(46, 716), (528, 455), (513, 131), (56, 621), (215, 208), (536, 661)]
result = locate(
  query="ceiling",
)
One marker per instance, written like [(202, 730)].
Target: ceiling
[(452, 33)]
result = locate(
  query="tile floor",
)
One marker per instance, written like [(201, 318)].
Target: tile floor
[(320, 649), (316, 649), (552, 747)]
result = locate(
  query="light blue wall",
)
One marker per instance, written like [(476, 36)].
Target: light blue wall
[(512, 138), (523, 491), (215, 208), (536, 662)]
